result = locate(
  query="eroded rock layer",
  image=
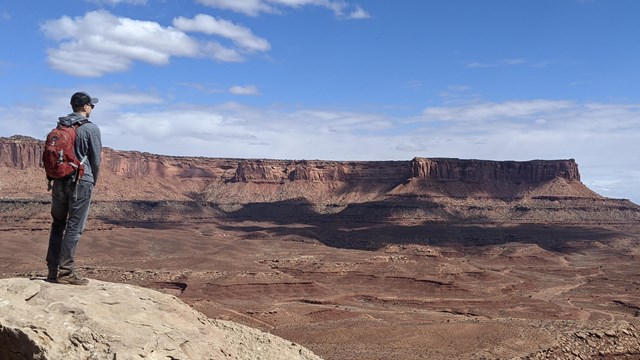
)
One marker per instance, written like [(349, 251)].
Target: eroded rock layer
[(441, 189)]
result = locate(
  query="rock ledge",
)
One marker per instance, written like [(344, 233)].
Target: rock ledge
[(40, 320)]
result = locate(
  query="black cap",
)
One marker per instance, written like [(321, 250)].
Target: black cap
[(82, 98)]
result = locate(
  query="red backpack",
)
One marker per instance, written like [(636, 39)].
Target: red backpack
[(59, 156)]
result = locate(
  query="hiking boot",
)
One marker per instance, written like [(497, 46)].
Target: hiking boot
[(52, 276), (72, 279)]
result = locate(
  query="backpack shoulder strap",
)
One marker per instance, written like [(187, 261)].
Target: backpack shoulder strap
[(80, 123)]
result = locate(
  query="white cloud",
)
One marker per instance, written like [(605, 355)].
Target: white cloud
[(240, 35), (118, 99), (223, 132), (99, 42), (492, 111), (256, 7), (248, 7), (218, 52), (244, 90), (359, 13)]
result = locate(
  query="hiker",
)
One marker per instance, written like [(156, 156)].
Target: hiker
[(71, 195)]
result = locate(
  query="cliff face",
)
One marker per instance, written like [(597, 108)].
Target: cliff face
[(278, 171), (21, 152), (436, 169), (131, 164), (483, 170), (438, 189), (148, 176)]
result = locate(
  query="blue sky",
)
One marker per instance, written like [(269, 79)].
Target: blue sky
[(337, 79)]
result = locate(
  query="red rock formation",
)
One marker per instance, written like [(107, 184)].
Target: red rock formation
[(150, 176), (482, 170), (436, 189), (133, 164), (21, 152), (277, 171)]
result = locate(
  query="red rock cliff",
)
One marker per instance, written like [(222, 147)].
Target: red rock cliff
[(275, 171), (24, 152), (422, 189), (439, 169), (152, 176), (21, 152)]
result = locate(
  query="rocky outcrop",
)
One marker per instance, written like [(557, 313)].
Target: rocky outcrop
[(134, 164), (601, 340), (40, 320), (280, 171), (21, 152), (395, 172), (438, 169)]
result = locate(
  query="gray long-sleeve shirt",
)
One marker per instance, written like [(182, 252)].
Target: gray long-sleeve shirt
[(88, 144)]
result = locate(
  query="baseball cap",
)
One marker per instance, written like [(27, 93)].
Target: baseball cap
[(82, 98)]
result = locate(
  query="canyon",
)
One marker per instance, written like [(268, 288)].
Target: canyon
[(426, 258)]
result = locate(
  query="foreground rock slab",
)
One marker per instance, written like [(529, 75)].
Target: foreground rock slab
[(41, 320)]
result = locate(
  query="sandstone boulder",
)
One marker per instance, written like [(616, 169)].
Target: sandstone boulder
[(40, 320)]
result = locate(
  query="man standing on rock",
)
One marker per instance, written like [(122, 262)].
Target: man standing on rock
[(71, 197)]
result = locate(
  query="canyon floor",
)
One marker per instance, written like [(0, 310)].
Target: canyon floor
[(371, 290)]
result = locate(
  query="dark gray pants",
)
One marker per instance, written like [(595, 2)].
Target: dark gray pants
[(70, 203)]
